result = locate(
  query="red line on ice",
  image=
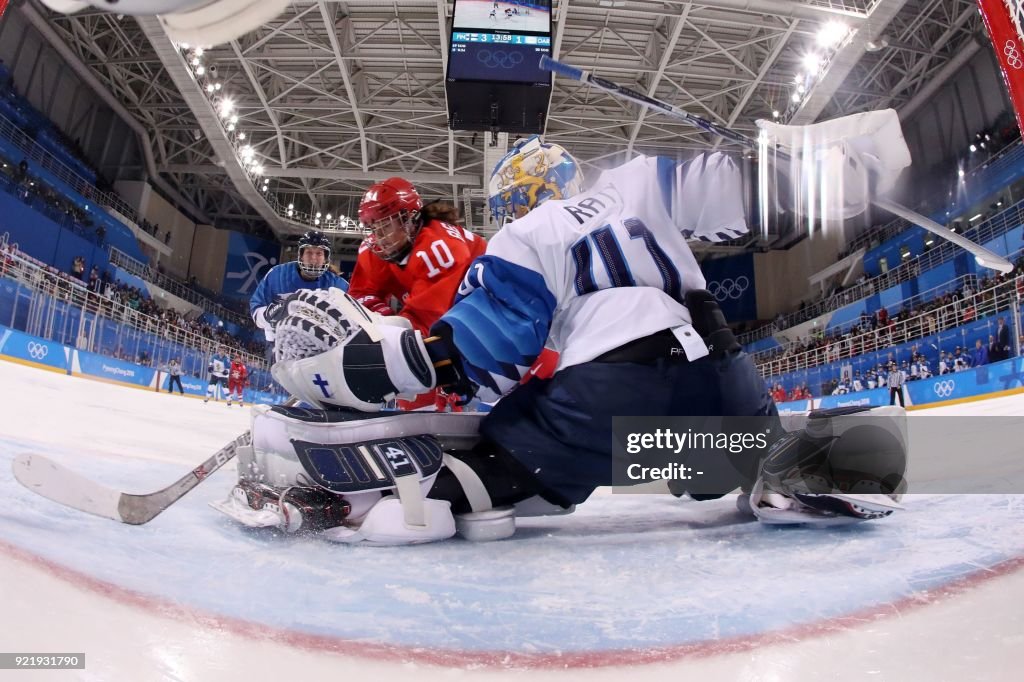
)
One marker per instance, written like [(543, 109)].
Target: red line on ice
[(507, 659)]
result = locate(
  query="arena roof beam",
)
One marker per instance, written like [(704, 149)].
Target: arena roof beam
[(207, 119), (845, 59), (919, 70), (337, 174), (766, 66), (258, 89), (666, 58), (442, 22), (332, 36), (90, 79)]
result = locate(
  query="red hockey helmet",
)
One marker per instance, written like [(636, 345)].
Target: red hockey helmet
[(390, 210)]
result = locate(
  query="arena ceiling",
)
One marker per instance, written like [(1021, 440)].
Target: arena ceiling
[(333, 95)]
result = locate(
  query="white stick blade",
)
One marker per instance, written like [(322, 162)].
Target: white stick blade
[(54, 482)]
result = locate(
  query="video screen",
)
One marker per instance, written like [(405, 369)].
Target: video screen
[(498, 57), (532, 16)]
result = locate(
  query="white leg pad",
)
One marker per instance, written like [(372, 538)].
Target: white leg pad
[(385, 525), (486, 526)]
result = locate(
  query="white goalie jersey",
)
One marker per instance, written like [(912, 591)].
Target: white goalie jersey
[(588, 274)]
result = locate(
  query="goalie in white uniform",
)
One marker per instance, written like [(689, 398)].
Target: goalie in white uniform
[(604, 276)]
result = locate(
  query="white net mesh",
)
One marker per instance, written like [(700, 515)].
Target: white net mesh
[(1016, 9)]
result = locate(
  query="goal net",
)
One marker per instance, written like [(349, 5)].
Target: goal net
[(1004, 20)]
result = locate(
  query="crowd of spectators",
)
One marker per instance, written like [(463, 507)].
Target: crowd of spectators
[(37, 126), (879, 330), (17, 180), (160, 320)]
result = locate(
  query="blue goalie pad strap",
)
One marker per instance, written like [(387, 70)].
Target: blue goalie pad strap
[(371, 465)]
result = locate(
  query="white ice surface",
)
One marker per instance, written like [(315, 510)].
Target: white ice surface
[(662, 586)]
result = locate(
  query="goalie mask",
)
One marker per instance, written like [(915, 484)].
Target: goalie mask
[(390, 211), (199, 22), (530, 174), (314, 255)]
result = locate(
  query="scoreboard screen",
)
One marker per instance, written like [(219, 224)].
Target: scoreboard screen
[(494, 80)]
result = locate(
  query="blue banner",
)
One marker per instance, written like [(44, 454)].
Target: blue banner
[(248, 260), (15, 344), (191, 385), (997, 376), (872, 398), (100, 366), (731, 281), (767, 343)]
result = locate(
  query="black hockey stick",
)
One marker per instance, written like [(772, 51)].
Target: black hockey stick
[(983, 256)]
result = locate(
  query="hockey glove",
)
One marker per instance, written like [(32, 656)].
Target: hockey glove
[(284, 306), (335, 354), (376, 304)]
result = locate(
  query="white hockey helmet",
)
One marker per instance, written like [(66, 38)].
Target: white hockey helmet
[(532, 172), (198, 22)]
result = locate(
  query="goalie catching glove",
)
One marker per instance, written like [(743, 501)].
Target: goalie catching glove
[(335, 353), (846, 465)]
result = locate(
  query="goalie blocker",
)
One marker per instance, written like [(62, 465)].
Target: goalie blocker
[(416, 477)]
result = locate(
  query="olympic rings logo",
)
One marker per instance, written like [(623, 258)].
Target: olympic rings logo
[(37, 351), (729, 288), (1013, 56), (499, 59), (944, 388)]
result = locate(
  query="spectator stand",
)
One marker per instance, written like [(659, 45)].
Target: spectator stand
[(121, 323), (958, 323), (988, 233)]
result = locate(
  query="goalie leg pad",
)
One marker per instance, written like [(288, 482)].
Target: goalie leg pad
[(381, 467), (385, 525)]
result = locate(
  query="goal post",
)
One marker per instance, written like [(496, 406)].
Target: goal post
[(1004, 20)]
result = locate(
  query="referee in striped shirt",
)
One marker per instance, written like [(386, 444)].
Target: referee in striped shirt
[(895, 380)]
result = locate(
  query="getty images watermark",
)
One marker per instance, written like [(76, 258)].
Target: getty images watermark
[(714, 456), (697, 455)]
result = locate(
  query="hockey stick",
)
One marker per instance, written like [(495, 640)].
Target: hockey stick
[(58, 483), (983, 256), (55, 482)]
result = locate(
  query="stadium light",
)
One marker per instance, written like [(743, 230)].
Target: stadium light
[(832, 33)]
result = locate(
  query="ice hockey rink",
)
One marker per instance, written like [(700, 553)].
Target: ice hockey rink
[(648, 586)]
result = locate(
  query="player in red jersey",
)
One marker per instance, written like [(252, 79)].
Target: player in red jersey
[(238, 379), (414, 259)]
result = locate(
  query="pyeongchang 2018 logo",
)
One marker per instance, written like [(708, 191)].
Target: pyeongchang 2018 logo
[(37, 351), (944, 388), (256, 266)]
